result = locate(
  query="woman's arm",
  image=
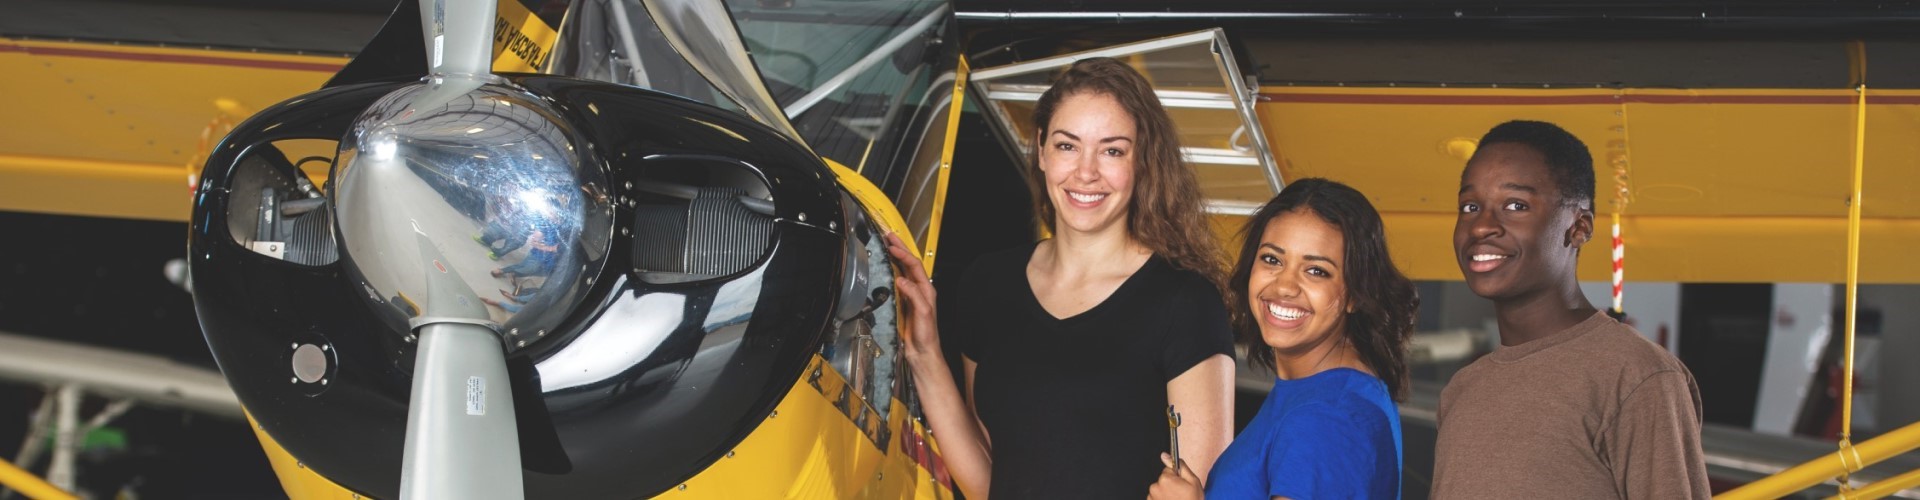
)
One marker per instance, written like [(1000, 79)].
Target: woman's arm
[(962, 440), (1204, 397)]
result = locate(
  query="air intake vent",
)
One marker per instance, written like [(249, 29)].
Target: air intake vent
[(309, 239), (723, 235), (720, 231), (275, 211)]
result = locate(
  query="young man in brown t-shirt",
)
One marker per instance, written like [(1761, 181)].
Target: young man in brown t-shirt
[(1574, 404)]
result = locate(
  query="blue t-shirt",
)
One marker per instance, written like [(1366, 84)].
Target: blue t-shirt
[(1334, 434)]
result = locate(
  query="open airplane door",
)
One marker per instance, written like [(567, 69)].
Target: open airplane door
[(1200, 84)]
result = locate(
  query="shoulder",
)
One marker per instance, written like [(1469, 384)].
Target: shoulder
[(1187, 305), (1462, 380), (1367, 397), (1185, 311), (996, 268), (1004, 260), (1016, 255), (1185, 289), (1346, 431), (1354, 403), (1625, 364), (1626, 353), (1182, 279)]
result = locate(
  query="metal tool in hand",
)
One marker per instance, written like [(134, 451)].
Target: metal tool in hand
[(1173, 435)]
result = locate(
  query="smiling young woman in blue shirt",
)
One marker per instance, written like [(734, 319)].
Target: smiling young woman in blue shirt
[(1325, 308)]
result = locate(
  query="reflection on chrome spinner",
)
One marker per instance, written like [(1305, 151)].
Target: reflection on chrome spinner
[(463, 200)]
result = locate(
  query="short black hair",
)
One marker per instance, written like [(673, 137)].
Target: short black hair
[(1569, 163)]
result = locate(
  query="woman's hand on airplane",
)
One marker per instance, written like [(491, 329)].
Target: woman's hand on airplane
[(915, 290), (1176, 483)]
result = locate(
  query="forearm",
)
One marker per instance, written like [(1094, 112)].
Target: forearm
[(957, 431)]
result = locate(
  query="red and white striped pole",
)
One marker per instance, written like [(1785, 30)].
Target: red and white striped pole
[(1618, 157), (1619, 269)]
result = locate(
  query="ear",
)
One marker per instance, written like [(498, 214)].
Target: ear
[(1039, 143), (1582, 230)]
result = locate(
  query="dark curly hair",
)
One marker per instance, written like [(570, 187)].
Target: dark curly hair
[(1384, 301)]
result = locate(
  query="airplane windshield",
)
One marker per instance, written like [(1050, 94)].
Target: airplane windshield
[(850, 74)]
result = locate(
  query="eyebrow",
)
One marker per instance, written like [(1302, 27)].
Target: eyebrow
[(1109, 139), (1283, 251), (1508, 186)]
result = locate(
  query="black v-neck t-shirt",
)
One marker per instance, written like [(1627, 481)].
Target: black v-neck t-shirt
[(1076, 407)]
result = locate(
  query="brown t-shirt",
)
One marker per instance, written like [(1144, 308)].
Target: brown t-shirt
[(1594, 411)]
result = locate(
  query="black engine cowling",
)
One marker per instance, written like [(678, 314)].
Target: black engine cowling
[(722, 268)]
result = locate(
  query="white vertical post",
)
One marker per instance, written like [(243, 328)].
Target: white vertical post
[(66, 443), (1796, 338)]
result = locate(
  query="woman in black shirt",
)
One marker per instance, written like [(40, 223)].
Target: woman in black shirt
[(1075, 346)]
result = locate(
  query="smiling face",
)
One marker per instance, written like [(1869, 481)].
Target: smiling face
[(1516, 234), (1297, 288), (1088, 158)]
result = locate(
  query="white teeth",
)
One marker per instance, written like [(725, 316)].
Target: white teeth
[(1086, 198), (1286, 313), (1486, 257)]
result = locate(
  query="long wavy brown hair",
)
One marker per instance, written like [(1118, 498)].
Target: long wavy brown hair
[(1166, 213)]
